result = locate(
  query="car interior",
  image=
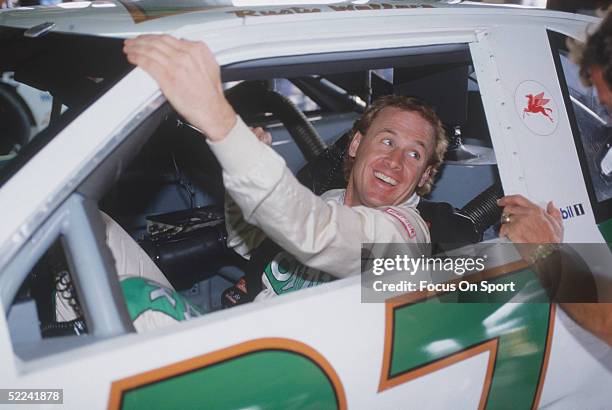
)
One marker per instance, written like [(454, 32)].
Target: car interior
[(171, 197), (164, 187)]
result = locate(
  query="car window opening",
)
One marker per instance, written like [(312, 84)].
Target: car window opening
[(167, 205), (170, 199), (47, 304)]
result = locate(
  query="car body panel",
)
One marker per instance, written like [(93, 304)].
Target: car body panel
[(347, 350), (520, 148)]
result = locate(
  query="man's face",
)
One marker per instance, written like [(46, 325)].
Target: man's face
[(391, 159), (601, 85)]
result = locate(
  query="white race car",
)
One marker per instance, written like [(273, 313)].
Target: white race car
[(500, 79)]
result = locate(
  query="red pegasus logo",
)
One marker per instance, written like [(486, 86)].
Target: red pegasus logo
[(536, 105)]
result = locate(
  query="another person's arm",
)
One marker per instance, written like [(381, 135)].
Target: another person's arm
[(562, 272)]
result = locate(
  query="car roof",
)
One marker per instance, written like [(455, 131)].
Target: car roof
[(126, 18), (234, 34)]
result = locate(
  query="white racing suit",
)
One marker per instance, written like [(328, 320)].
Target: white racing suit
[(319, 232)]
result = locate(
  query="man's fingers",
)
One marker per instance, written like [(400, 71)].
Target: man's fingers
[(555, 214), (165, 44), (161, 58), (168, 50), (267, 138), (141, 49), (515, 210), (173, 42), (514, 229), (262, 135), (503, 231), (556, 219), (142, 54), (199, 52), (165, 49), (148, 44), (553, 211), (202, 58), (153, 39), (506, 228), (189, 77), (516, 200), (152, 63), (208, 60)]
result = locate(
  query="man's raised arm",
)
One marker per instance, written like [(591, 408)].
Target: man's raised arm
[(189, 77)]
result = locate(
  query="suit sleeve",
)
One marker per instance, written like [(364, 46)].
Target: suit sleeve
[(322, 235), (242, 237)]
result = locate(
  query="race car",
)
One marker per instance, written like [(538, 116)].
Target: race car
[(112, 148)]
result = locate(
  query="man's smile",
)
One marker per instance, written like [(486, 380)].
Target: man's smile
[(385, 178)]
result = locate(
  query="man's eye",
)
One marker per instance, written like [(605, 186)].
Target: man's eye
[(387, 141), (414, 154)]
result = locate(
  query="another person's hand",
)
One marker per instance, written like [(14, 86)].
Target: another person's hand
[(189, 77), (528, 223), (262, 135)]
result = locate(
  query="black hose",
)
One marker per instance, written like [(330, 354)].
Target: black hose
[(252, 97), (483, 209)]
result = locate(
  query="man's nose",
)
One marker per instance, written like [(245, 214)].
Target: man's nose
[(394, 159)]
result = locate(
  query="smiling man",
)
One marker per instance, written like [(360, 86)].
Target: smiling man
[(396, 148), (389, 167)]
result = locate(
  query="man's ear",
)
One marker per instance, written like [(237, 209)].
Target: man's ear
[(425, 177), (354, 144)]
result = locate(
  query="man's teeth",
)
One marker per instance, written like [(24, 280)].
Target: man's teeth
[(385, 178)]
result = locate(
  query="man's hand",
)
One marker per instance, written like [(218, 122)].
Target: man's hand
[(262, 135), (529, 223), (189, 77)]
